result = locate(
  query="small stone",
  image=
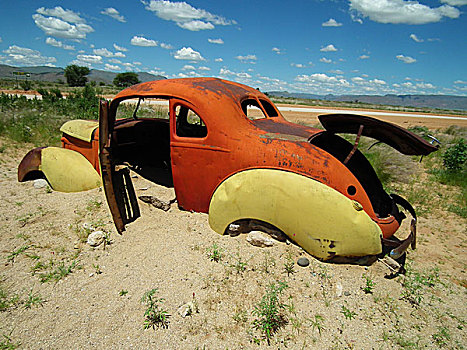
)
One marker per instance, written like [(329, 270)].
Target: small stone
[(96, 238), (188, 309), (40, 183), (91, 274), (76, 246), (339, 289), (258, 239), (346, 293), (303, 262)]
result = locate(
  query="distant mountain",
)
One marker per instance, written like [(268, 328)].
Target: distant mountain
[(420, 101), (54, 74)]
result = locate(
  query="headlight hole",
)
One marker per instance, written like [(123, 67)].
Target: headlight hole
[(351, 190)]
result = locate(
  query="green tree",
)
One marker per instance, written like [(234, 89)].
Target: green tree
[(76, 75), (126, 79)]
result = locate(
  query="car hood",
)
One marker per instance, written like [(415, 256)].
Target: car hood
[(393, 135)]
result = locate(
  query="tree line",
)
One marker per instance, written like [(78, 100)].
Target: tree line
[(77, 76)]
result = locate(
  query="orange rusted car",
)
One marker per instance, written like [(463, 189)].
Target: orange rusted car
[(227, 151)]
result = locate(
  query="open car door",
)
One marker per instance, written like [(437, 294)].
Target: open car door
[(117, 183), (393, 135)]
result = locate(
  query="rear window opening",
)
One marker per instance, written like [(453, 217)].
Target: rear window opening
[(254, 111), (188, 123)]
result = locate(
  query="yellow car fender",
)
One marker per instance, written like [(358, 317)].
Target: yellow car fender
[(318, 218), (64, 169)]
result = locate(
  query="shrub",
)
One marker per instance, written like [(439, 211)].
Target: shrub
[(455, 156)]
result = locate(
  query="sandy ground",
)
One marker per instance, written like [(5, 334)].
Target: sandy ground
[(98, 305)]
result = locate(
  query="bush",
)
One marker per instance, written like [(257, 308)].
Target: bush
[(455, 156), (26, 85)]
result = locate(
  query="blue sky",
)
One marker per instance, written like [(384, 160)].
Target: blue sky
[(314, 46)]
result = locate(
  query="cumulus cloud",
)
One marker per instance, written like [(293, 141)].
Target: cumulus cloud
[(111, 67), (216, 41), (115, 61), (92, 59), (401, 11), (358, 80), (460, 82), (57, 43), (120, 48), (185, 15), (17, 55), (103, 52), (277, 50), (406, 59), (142, 41), (187, 53), (111, 12), (218, 59), (61, 23), (188, 67), (425, 86), (455, 2), (204, 68), (1, 39), (246, 58), (325, 60), (298, 65), (415, 38), (329, 48), (378, 82), (166, 46), (331, 23), (364, 57), (226, 72)]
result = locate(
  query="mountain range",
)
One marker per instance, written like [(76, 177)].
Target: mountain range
[(56, 74)]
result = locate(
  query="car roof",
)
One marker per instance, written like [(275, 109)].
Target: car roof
[(195, 90)]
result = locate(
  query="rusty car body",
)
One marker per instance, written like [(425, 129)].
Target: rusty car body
[(235, 165)]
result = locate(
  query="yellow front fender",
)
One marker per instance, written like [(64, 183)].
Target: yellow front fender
[(318, 218)]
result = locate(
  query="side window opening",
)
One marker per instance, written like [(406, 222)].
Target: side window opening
[(188, 123), (252, 110), (270, 110)]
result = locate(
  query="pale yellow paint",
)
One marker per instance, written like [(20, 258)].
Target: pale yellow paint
[(318, 218), (68, 171), (81, 129)]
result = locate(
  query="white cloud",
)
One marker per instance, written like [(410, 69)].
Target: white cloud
[(92, 59), (226, 72), (337, 71), (378, 82), (298, 65), (219, 60), (401, 11), (103, 52), (461, 82), (1, 39), (61, 23), (415, 38), (156, 71), (364, 57), (195, 26), (142, 41), (216, 41), (246, 58), (204, 68), (57, 43), (455, 2), (119, 54), (425, 86), (187, 53), (331, 23), (120, 48), (111, 67), (17, 55), (110, 11), (188, 67), (166, 46), (329, 48), (277, 50), (406, 59), (115, 61), (358, 80), (325, 60), (136, 63), (185, 15)]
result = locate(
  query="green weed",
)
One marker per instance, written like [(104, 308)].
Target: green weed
[(59, 272), (317, 323), (14, 254), (269, 311), (154, 315), (33, 299), (348, 314), (415, 282), (369, 284), (215, 253), (442, 337), (7, 344), (289, 265)]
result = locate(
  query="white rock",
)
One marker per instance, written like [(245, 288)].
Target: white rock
[(339, 289), (188, 309), (96, 238), (40, 183), (258, 239)]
